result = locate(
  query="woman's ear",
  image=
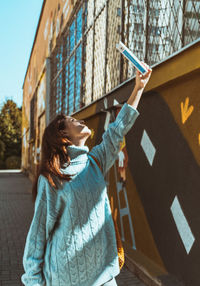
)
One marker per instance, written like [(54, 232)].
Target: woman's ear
[(64, 133), (61, 125)]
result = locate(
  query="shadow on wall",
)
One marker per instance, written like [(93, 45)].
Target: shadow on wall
[(167, 178)]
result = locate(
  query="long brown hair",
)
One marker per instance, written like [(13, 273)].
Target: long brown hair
[(54, 154)]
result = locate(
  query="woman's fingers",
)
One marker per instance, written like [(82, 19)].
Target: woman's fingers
[(140, 75), (137, 72), (141, 80), (146, 75), (147, 66)]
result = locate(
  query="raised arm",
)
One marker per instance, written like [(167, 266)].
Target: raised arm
[(107, 151)]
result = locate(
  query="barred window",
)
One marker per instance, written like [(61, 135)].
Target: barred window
[(71, 85), (32, 117), (59, 94), (78, 77), (83, 64), (66, 67)]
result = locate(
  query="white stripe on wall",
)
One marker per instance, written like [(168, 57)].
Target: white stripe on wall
[(182, 225), (148, 147)]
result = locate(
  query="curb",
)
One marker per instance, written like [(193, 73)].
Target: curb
[(145, 277)]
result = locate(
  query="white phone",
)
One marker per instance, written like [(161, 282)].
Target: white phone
[(132, 58)]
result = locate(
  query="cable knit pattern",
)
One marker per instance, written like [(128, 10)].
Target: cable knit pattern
[(71, 239)]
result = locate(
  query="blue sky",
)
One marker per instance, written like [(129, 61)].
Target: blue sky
[(18, 23)]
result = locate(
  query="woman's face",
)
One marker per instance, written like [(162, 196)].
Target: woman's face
[(76, 129)]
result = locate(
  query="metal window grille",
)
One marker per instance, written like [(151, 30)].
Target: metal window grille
[(164, 26), (33, 105), (66, 67), (90, 64)]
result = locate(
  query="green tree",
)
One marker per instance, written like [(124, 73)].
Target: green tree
[(2, 150), (10, 128)]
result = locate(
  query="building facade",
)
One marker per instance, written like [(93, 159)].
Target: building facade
[(75, 68)]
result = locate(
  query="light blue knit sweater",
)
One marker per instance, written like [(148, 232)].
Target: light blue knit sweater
[(71, 239)]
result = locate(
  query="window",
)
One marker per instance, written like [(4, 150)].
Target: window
[(72, 36), (59, 94), (66, 67), (79, 25), (71, 85), (32, 117), (139, 28), (78, 77)]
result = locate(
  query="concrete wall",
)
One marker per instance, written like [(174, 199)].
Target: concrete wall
[(156, 191)]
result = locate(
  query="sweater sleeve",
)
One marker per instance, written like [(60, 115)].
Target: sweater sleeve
[(38, 234), (107, 151)]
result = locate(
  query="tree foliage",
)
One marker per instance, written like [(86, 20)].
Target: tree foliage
[(10, 130), (2, 149)]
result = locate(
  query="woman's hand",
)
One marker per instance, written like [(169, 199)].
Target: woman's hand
[(141, 80), (140, 83)]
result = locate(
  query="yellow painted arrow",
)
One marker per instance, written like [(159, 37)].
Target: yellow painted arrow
[(185, 111)]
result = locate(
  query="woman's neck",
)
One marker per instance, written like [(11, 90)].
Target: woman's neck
[(79, 142)]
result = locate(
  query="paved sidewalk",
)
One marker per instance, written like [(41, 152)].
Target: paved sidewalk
[(16, 212)]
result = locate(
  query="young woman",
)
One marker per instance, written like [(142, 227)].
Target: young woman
[(71, 239)]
